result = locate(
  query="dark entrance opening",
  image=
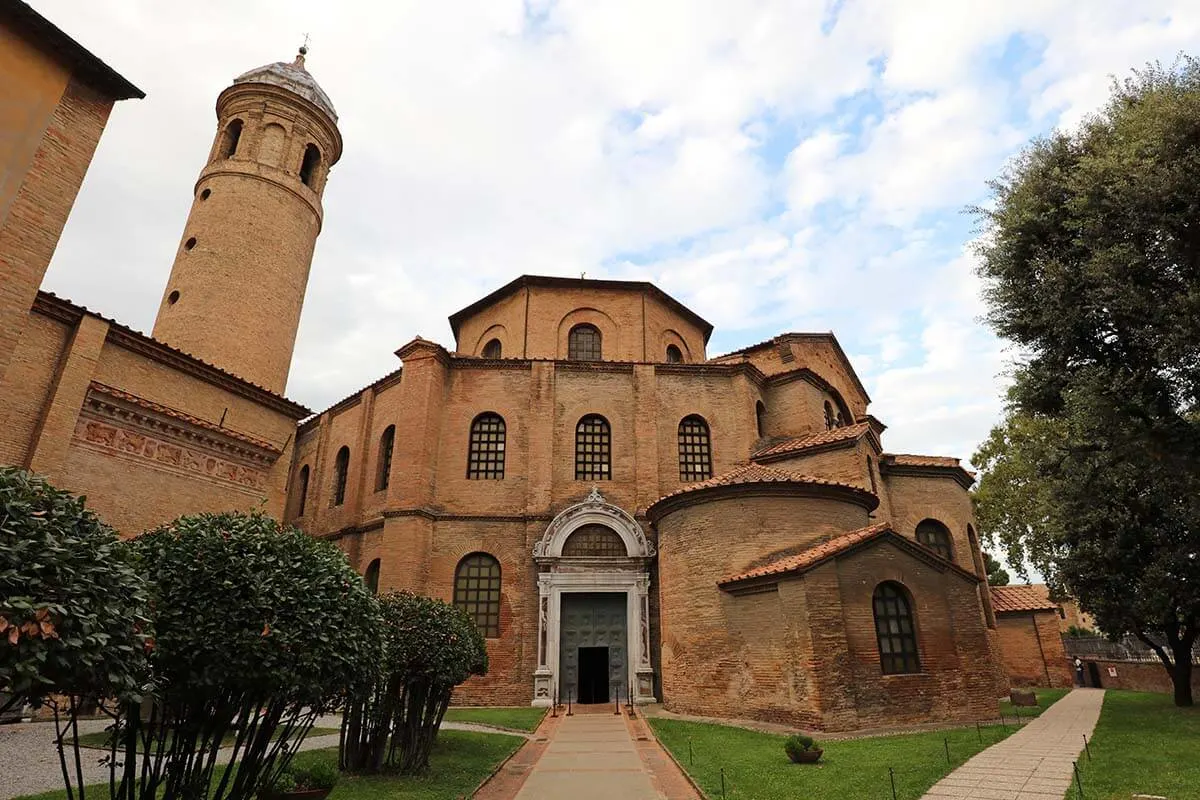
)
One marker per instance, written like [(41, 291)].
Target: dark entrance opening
[(1094, 674), (593, 675)]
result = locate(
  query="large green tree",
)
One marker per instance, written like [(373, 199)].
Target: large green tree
[(1091, 261)]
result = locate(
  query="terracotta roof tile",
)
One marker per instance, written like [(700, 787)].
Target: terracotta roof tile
[(1035, 597), (797, 444), (756, 473), (813, 555)]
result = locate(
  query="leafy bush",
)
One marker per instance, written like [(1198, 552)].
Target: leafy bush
[(320, 775), (72, 605), (429, 648), (797, 744), (258, 630)]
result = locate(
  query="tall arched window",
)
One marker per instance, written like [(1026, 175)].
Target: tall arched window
[(871, 475), (485, 451), (303, 490), (936, 537), (230, 138), (831, 421), (593, 449), (341, 466), (583, 343), (493, 349), (760, 418), (477, 591), (371, 577), (674, 355), (308, 167), (894, 630), (695, 450), (386, 442)]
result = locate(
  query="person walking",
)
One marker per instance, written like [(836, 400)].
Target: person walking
[(1078, 671)]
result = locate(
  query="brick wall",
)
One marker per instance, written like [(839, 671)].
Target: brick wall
[(1137, 676), (1031, 649), (37, 211)]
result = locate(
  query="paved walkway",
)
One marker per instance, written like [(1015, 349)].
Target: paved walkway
[(590, 756), (1032, 764)]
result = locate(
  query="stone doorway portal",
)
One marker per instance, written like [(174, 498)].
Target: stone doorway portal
[(593, 591), (594, 634)]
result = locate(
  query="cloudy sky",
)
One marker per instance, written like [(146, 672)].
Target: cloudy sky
[(777, 165)]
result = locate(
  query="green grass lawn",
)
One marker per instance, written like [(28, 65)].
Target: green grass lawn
[(756, 767), (100, 739), (520, 719), (1045, 699), (1143, 744), (461, 760)]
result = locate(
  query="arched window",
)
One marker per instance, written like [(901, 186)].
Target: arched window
[(976, 553), (230, 139), (386, 442), (674, 355), (583, 343), (831, 421), (485, 452), (934, 535), (894, 630), (593, 449), (760, 418), (695, 452), (308, 167), (477, 591), (871, 475), (341, 466), (493, 349), (303, 490), (371, 576), (595, 540)]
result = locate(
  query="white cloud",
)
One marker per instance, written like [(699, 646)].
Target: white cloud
[(776, 164)]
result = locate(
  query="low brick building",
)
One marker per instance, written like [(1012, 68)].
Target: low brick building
[(1031, 646), (619, 512)]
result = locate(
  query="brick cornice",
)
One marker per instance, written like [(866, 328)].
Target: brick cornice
[(105, 401), (956, 474)]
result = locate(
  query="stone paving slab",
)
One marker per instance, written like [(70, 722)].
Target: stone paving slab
[(590, 756), (1035, 763)]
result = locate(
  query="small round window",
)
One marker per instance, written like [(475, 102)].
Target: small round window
[(189, 244), (173, 298)]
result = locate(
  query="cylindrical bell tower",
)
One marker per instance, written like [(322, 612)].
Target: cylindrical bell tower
[(238, 282)]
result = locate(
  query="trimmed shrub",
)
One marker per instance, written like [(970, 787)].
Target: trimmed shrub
[(259, 629), (797, 744), (72, 605), (429, 648)]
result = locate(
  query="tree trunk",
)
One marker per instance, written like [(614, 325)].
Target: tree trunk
[(1181, 676)]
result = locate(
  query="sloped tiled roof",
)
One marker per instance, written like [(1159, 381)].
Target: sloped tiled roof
[(756, 473), (1035, 597), (798, 444), (916, 463), (906, 460), (812, 556), (61, 308)]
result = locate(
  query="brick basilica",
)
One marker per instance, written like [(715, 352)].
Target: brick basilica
[(620, 512)]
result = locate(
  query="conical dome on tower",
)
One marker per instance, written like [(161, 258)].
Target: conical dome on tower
[(293, 77), (241, 270)]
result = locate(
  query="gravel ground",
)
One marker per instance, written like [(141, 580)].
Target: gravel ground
[(31, 765)]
